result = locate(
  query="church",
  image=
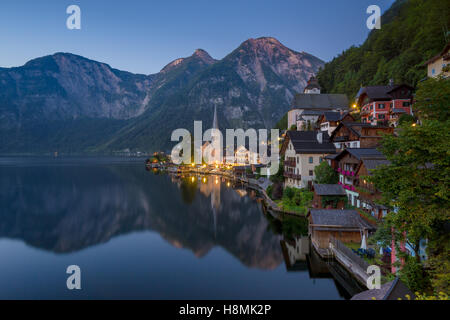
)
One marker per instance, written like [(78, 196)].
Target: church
[(309, 105)]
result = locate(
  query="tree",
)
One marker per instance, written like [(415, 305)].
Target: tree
[(417, 181), (432, 99), (325, 174)]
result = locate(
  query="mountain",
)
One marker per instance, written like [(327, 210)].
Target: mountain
[(69, 103), (65, 86), (251, 87), (412, 31)]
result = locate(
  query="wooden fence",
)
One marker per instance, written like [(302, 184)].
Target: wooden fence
[(343, 249)]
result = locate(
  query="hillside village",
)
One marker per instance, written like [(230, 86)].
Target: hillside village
[(329, 153)]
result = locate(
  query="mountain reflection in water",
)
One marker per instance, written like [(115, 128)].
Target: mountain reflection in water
[(68, 207)]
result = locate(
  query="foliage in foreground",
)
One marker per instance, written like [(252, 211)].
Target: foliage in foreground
[(416, 185)]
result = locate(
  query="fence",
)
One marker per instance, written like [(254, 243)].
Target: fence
[(343, 249)]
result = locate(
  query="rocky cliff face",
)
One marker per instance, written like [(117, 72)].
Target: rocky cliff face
[(65, 86), (252, 87)]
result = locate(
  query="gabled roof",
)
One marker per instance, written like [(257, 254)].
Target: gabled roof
[(392, 290), (334, 115), (356, 127), (380, 92), (329, 190), (361, 153), (444, 51), (372, 163), (320, 101), (332, 218), (306, 142), (312, 112)]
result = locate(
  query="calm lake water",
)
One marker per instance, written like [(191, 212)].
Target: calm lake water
[(136, 234)]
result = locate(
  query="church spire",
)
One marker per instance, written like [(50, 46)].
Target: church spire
[(215, 124)]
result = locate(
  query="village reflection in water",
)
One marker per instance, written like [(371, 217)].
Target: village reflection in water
[(68, 210), (295, 244)]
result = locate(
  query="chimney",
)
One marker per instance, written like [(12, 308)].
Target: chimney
[(320, 137)]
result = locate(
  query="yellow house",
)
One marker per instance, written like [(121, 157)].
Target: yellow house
[(439, 64)]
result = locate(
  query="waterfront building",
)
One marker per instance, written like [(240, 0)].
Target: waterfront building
[(368, 195), (348, 162), (378, 103), (344, 225), (302, 152)]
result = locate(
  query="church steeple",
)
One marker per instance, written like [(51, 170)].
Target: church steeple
[(215, 124)]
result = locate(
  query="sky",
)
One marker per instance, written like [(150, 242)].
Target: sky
[(142, 36)]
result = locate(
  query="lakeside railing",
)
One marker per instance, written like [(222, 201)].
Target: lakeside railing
[(343, 249)]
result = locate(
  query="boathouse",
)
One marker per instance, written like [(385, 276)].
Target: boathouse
[(344, 225)]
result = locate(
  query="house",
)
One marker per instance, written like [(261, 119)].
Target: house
[(393, 290), (302, 151), (377, 103), (329, 195), (368, 194), (349, 160), (315, 102), (329, 120), (439, 64), (358, 135), (344, 225), (306, 121)]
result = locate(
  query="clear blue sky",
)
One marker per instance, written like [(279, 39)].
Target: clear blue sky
[(142, 36)]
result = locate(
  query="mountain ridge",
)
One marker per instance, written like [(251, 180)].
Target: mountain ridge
[(250, 86)]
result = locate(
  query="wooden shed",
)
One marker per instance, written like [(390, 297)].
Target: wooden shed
[(344, 225)]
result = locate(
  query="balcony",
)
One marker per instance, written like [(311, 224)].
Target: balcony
[(347, 173), (289, 163), (347, 187), (292, 175)]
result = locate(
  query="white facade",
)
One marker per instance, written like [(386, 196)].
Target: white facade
[(303, 170)]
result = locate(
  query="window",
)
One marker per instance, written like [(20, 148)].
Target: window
[(391, 105), (311, 160), (298, 160), (406, 104), (381, 106), (433, 71), (320, 159), (311, 173), (381, 116)]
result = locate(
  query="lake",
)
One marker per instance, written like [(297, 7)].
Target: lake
[(140, 235)]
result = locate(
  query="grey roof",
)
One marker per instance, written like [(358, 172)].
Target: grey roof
[(356, 127), (379, 92), (361, 153), (306, 142), (332, 156), (312, 113), (329, 190), (320, 101), (392, 290), (295, 135), (346, 219), (371, 164), (313, 147), (334, 115)]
